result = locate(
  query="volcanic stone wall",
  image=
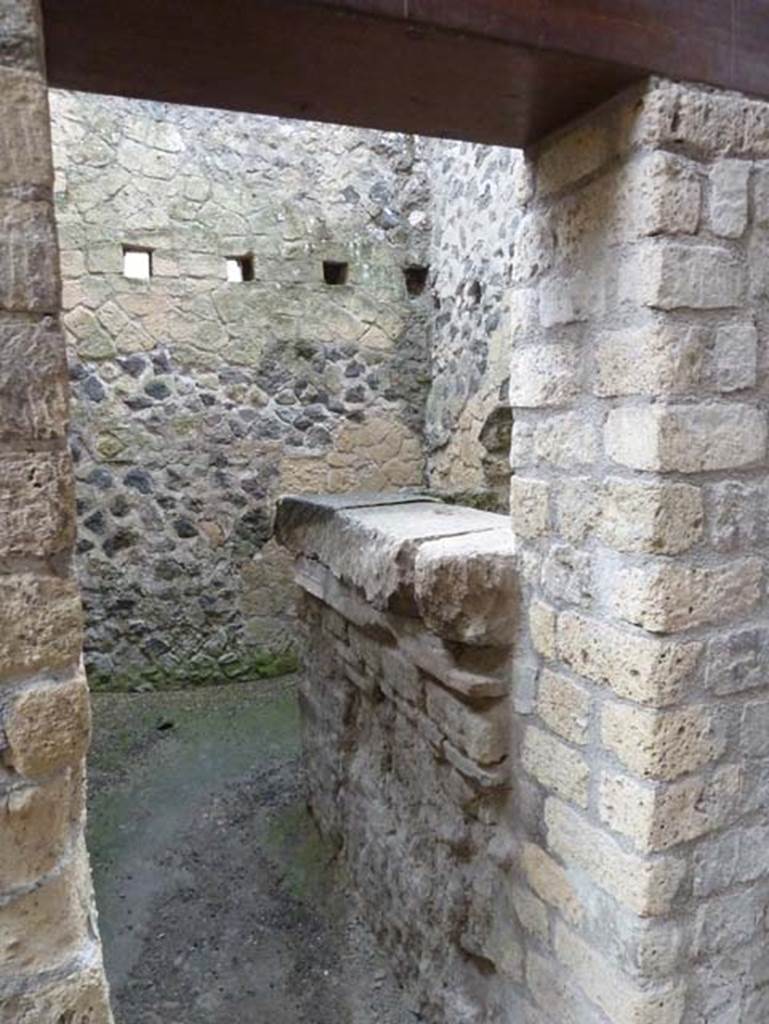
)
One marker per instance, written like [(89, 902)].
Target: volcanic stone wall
[(476, 199), (197, 400)]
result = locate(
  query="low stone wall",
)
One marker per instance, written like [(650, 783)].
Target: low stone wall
[(410, 608)]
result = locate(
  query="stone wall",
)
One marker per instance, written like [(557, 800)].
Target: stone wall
[(588, 847), (197, 401), (476, 197), (639, 391), (50, 957), (406, 717)]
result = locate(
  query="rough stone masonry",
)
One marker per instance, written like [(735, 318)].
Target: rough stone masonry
[(599, 848), (614, 871), (50, 956), (198, 400)]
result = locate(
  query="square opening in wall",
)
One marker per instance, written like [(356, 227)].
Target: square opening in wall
[(239, 269), (416, 279), (335, 272), (137, 263)]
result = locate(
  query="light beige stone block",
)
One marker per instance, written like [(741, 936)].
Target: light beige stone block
[(615, 993), (529, 507), (729, 197), (542, 627), (658, 518), (36, 504), (647, 887), (47, 727), (36, 826), (666, 597), (564, 705), (662, 744), (556, 766), (550, 882), (41, 930), (671, 275), (564, 439), (544, 375), (637, 667), (657, 817), (40, 623), (555, 994), (687, 439), (466, 588)]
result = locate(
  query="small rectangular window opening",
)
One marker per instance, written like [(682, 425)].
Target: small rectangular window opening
[(334, 272), (137, 263), (416, 279), (239, 269)]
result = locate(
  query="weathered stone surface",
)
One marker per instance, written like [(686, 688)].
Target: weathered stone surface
[(25, 142), (44, 929), (659, 817), (667, 359), (82, 995), (550, 882), (47, 727), (564, 705), (387, 538), (20, 35), (689, 439), (648, 887), (637, 667), (669, 597), (33, 380), (620, 999), (543, 375), (483, 735), (529, 506), (40, 623), (568, 439), (671, 275), (662, 744), (466, 588), (36, 504), (729, 197), (36, 827), (29, 270), (660, 518), (555, 766)]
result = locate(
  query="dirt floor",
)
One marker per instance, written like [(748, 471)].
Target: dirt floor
[(219, 903)]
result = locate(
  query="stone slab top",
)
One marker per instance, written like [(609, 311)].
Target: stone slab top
[(453, 565)]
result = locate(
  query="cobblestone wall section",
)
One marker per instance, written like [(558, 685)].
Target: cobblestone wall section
[(50, 958), (406, 716), (476, 198), (639, 390), (198, 401)]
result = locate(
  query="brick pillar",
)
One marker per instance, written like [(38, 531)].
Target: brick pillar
[(641, 506), (50, 958)]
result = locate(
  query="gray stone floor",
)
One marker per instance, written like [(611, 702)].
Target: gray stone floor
[(218, 902)]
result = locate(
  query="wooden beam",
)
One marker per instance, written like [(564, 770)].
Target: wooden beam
[(499, 71)]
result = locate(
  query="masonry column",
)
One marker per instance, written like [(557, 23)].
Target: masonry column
[(640, 499), (50, 958)]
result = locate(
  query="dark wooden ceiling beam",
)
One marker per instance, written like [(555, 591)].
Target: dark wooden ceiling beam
[(502, 71)]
